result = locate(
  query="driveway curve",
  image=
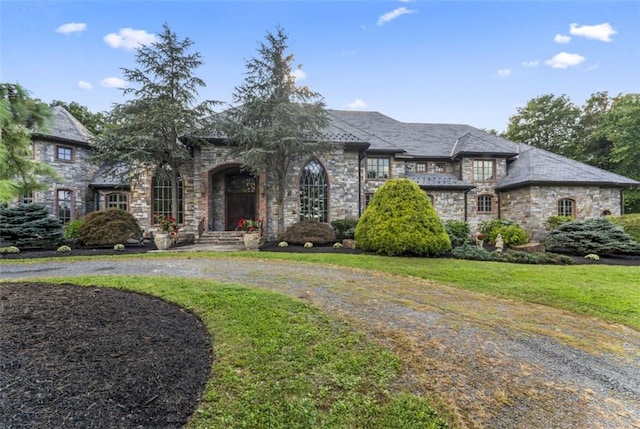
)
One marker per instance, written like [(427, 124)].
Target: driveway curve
[(494, 363)]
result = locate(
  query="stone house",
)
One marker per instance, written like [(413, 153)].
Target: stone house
[(468, 174)]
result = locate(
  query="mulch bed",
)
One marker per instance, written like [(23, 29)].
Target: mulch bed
[(82, 357)]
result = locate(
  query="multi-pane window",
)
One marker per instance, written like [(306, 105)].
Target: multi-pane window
[(439, 167), (161, 196), (314, 192), (26, 198), (117, 201), (484, 170), (64, 153), (367, 198), (377, 168), (64, 202), (485, 203), (421, 167), (566, 207)]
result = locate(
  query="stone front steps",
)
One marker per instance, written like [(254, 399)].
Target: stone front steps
[(221, 237)]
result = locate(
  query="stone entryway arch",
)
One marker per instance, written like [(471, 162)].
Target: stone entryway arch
[(232, 194)]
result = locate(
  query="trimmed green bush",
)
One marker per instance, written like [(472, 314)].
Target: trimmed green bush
[(630, 223), (555, 221), (512, 233), (308, 231), (108, 227), (400, 220), (458, 231), (599, 236), (28, 226), (344, 228), (474, 253), (71, 231)]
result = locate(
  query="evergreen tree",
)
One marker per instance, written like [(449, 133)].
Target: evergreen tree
[(275, 122), (20, 116), (30, 225), (154, 129)]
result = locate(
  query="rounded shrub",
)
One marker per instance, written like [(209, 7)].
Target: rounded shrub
[(108, 227), (308, 231), (553, 222), (400, 220), (599, 236), (512, 233), (458, 231), (71, 230), (344, 228)]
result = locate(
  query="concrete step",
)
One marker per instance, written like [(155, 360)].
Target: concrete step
[(221, 237)]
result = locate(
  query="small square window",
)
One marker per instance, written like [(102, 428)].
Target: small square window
[(421, 167), (377, 168), (484, 170), (64, 153), (439, 167), (485, 204)]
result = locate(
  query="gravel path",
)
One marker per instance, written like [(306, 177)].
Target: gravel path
[(496, 363)]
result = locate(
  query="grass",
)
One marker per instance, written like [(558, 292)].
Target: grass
[(281, 364)]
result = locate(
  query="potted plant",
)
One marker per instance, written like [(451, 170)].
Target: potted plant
[(167, 232), (252, 232)]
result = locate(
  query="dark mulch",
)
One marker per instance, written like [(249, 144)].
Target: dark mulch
[(81, 357), (272, 246)]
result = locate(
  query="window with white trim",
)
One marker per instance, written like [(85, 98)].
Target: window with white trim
[(314, 192), (64, 153), (64, 204)]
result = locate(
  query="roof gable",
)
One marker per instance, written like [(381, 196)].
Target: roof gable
[(64, 126)]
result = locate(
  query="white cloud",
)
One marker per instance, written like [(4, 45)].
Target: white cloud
[(357, 104), (504, 72), (113, 82), (564, 60), (84, 85), (298, 74), (72, 27), (534, 63), (389, 16), (561, 38), (128, 38), (602, 32)]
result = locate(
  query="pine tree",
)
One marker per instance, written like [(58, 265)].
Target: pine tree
[(275, 122), (153, 130)]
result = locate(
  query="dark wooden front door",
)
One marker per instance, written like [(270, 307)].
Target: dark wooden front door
[(241, 198)]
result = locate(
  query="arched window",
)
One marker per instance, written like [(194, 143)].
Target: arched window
[(566, 207), (117, 201), (161, 194), (485, 203), (314, 192)]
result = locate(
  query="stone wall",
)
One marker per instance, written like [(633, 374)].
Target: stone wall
[(531, 206), (75, 175)]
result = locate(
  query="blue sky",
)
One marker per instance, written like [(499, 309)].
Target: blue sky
[(470, 62)]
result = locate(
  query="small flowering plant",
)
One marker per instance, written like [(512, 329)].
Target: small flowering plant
[(167, 225), (249, 225)]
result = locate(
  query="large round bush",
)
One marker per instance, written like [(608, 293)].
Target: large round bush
[(108, 227), (512, 233), (400, 220), (630, 223)]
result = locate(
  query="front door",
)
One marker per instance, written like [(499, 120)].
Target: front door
[(241, 198)]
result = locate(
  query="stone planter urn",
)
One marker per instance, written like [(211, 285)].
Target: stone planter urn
[(162, 241), (251, 240)]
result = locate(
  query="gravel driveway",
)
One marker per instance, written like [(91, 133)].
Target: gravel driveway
[(495, 363)]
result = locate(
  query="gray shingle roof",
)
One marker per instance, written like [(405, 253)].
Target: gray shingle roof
[(65, 127), (538, 166)]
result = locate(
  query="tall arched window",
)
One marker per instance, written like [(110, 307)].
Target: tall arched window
[(314, 192), (161, 194)]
